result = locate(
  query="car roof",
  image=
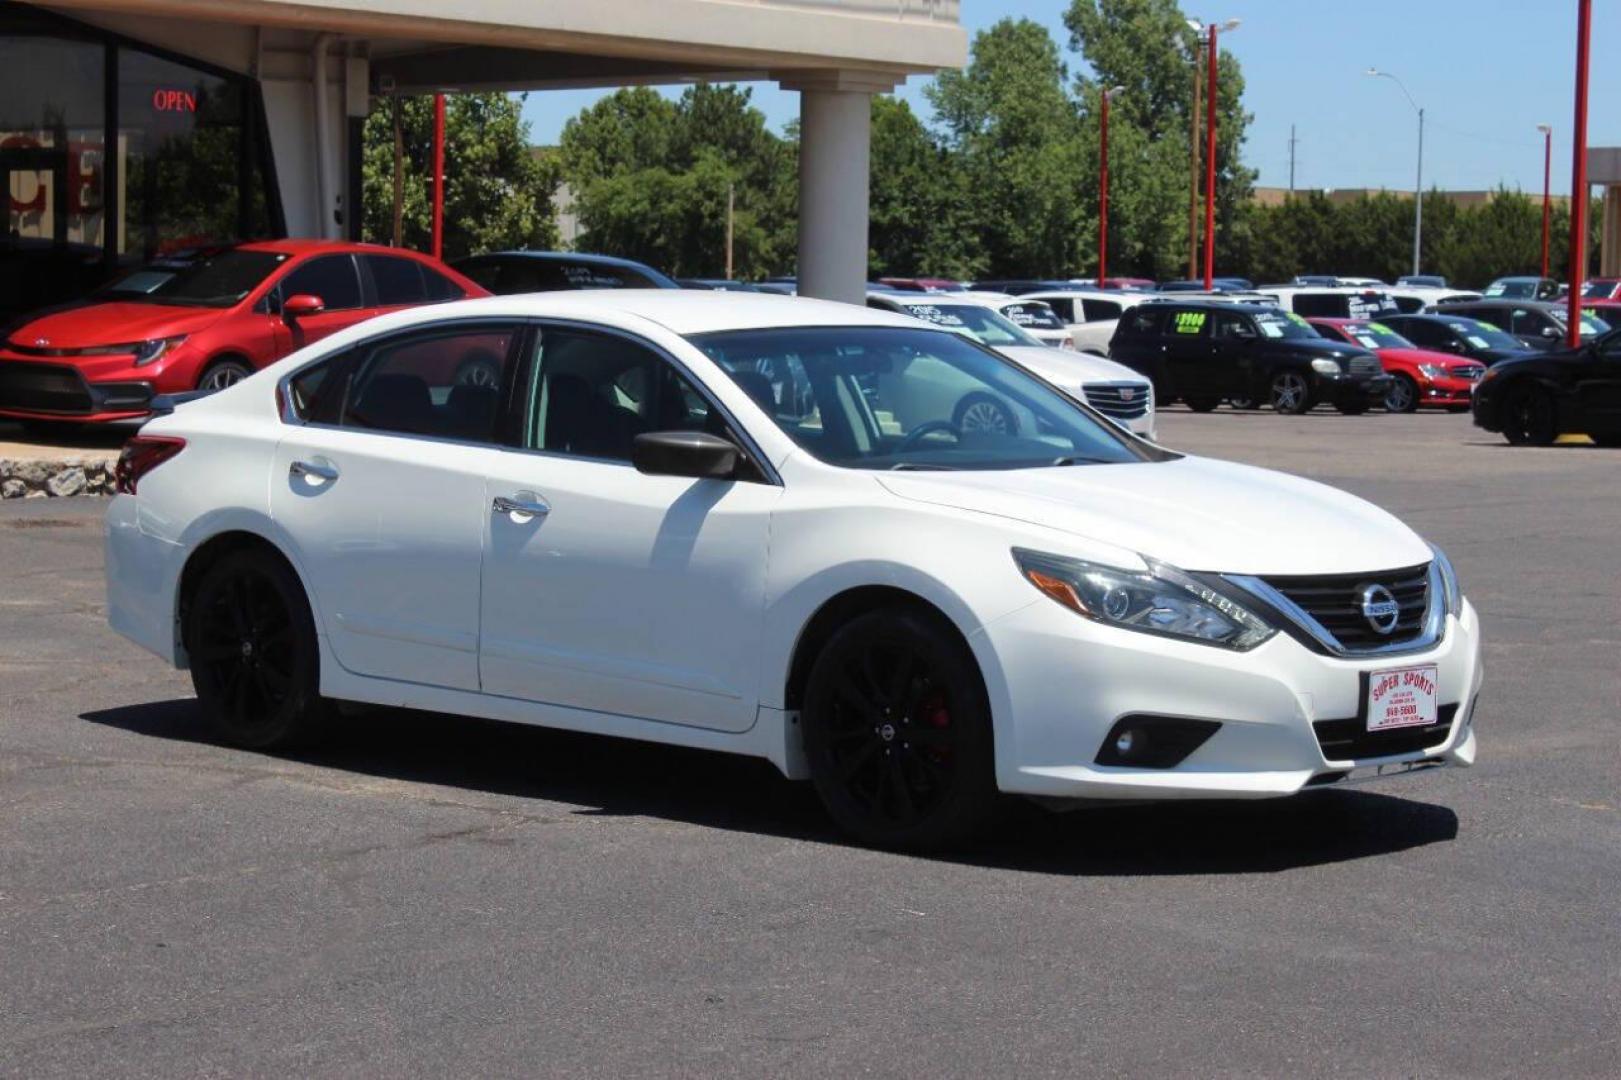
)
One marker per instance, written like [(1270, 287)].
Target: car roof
[(301, 246), (577, 257), (681, 311)]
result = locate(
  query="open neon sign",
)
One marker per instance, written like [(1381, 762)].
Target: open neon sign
[(174, 101)]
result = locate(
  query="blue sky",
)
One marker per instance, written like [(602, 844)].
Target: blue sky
[(1486, 71)]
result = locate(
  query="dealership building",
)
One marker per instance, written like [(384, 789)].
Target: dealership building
[(132, 128)]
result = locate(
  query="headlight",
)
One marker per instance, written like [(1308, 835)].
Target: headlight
[(1162, 600), (1449, 582), (1324, 366), (1432, 371), (149, 351)]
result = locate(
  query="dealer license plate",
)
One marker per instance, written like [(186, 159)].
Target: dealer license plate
[(1402, 697)]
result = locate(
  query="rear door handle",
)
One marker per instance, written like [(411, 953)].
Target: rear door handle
[(312, 469), (525, 504)]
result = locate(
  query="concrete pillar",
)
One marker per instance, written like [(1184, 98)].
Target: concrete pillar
[(835, 128), (1610, 238)]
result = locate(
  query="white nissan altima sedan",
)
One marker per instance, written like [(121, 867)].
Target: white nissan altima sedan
[(695, 518)]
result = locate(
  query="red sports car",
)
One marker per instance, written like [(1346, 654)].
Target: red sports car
[(1421, 378), (203, 323)]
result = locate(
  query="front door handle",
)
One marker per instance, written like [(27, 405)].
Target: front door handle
[(525, 504), (312, 469)]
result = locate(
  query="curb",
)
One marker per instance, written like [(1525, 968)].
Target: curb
[(64, 477)]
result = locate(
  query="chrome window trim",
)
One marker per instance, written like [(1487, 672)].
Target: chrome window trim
[(1433, 633)]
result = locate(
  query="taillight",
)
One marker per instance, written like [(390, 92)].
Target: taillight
[(140, 456)]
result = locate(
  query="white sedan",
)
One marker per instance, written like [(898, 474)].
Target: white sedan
[(1121, 394), (676, 516)]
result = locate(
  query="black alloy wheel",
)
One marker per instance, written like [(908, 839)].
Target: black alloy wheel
[(1291, 393), (898, 734), (1402, 397), (1528, 416), (251, 643)]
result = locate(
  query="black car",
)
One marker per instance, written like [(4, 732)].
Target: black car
[(1205, 351), (1221, 284), (1523, 288), (1536, 398), (507, 272), (1421, 281), (1459, 336), (1536, 324)]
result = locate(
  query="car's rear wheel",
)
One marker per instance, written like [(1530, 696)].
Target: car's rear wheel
[(1291, 393), (223, 373), (1528, 416), (1202, 404), (897, 732), (1244, 403), (1402, 396), (984, 413), (250, 640)]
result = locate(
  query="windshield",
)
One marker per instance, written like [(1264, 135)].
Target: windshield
[(1598, 289), (218, 281), (1592, 325), (1376, 335), (1288, 327), (1033, 314), (896, 398), (1484, 335), (980, 323)]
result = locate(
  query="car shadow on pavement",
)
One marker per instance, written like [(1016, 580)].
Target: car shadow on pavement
[(605, 776)]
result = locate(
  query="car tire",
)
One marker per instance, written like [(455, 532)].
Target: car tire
[(1201, 404), (1244, 404), (1528, 416), (1402, 397), (984, 412), (897, 733), (223, 373), (251, 644), (1291, 393)]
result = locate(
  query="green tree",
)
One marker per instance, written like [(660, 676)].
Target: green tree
[(1146, 47), (1008, 120), (651, 176), (498, 192), (920, 205)]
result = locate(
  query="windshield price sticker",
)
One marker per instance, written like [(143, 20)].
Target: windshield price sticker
[(1403, 697), (933, 314), (1189, 322), (1300, 319)]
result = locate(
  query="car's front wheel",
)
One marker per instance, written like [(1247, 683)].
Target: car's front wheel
[(1291, 393), (223, 373), (1528, 416), (250, 640), (897, 732), (1402, 397)]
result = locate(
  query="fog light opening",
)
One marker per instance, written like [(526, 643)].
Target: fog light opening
[(1153, 742)]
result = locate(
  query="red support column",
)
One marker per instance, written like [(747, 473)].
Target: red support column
[(1210, 172), (1578, 177), (1103, 194), (438, 176)]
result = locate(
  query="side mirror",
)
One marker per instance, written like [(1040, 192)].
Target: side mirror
[(1551, 332), (302, 305), (685, 453)]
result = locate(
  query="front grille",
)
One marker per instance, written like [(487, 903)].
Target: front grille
[(1350, 740), (1471, 372), (1335, 601), (49, 388), (1110, 399), (1365, 365)]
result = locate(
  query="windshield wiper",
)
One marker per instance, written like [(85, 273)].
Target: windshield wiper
[(1077, 460), (921, 466)]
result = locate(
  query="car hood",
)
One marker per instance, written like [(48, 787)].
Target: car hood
[(1340, 350), (116, 323), (1195, 513), (1428, 356), (1065, 367)]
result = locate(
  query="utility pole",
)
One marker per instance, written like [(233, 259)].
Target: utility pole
[(731, 206), (1193, 159), (1292, 141)]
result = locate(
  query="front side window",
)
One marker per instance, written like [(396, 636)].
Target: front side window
[(590, 395), (897, 398), (1231, 326), (330, 277), (444, 383)]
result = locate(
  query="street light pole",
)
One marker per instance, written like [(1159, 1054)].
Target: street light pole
[(1103, 185), (1547, 171), (1211, 60), (1578, 178), (1418, 189)]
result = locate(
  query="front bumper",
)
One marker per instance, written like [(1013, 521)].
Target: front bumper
[(44, 390), (1445, 392), (1059, 683)]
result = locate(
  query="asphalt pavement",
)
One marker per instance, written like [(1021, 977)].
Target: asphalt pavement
[(425, 895)]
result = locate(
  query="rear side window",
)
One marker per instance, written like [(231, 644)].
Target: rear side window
[(1186, 323), (331, 277), (486, 274), (1032, 315), (438, 286), (1143, 321), (1064, 307), (398, 281), (443, 383), (1097, 310), (1320, 305)]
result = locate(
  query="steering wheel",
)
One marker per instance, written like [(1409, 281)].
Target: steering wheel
[(928, 427)]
